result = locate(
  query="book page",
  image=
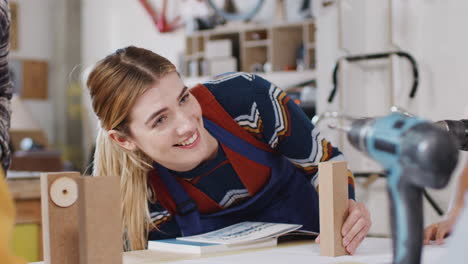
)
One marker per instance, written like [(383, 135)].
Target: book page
[(245, 232)]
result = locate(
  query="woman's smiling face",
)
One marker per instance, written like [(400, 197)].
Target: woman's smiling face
[(166, 124)]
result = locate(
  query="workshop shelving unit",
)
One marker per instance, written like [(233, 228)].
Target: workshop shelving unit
[(258, 47)]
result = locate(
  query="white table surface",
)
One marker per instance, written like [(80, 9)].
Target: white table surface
[(371, 251)]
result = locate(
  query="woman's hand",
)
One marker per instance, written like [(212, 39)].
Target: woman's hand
[(355, 227), (441, 230)]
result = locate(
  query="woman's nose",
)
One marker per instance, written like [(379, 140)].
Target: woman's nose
[(184, 124)]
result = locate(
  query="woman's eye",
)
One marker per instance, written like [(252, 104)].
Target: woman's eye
[(185, 98), (159, 121)]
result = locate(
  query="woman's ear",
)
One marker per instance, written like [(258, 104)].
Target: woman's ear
[(123, 141)]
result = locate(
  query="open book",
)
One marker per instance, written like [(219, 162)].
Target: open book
[(235, 237)]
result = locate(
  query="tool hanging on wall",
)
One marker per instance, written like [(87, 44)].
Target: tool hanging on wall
[(245, 16), (373, 57), (327, 3), (160, 20), (306, 9)]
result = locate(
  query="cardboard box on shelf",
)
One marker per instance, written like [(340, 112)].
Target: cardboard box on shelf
[(218, 48), (221, 65)]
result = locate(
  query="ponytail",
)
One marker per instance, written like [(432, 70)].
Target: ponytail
[(115, 84), (132, 167)]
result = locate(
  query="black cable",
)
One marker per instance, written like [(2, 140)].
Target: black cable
[(429, 198), (373, 57), (433, 203)]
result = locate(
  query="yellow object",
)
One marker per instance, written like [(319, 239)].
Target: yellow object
[(25, 237), (7, 217)]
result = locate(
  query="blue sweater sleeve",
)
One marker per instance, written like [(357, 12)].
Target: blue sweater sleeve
[(272, 117)]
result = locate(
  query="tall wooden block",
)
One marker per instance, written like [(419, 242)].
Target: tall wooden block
[(59, 195), (100, 238), (333, 203)]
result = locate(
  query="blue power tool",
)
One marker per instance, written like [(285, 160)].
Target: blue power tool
[(458, 129), (415, 154)]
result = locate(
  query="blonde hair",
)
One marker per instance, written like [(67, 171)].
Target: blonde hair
[(114, 85)]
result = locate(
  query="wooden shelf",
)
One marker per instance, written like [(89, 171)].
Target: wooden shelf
[(256, 43), (310, 33), (272, 47), (194, 56)]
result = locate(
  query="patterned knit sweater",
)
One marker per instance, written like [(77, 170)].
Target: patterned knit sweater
[(269, 115), (5, 84)]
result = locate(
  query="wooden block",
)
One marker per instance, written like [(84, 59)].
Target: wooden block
[(35, 76), (333, 203), (100, 238), (59, 195)]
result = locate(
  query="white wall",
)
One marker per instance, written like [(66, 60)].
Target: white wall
[(111, 24), (433, 31), (34, 34), (35, 41)]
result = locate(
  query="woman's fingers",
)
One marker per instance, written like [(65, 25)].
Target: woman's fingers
[(354, 244), (356, 226), (442, 232), (353, 216), (438, 231), (429, 233)]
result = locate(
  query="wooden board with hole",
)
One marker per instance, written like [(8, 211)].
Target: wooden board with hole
[(59, 195)]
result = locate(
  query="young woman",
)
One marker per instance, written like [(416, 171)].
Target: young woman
[(194, 160)]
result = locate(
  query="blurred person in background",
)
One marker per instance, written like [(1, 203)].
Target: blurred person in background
[(7, 210)]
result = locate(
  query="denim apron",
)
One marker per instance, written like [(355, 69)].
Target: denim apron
[(288, 197)]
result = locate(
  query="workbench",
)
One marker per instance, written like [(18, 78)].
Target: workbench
[(371, 251)]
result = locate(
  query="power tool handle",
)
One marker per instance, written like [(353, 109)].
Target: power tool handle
[(406, 221)]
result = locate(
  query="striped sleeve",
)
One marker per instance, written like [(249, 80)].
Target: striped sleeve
[(5, 84), (287, 129), (269, 115)]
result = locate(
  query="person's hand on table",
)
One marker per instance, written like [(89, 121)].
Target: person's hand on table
[(355, 227), (438, 231)]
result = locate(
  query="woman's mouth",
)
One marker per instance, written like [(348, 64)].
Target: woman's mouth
[(190, 142)]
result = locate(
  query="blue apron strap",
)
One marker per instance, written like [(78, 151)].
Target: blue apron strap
[(240, 146), (187, 215)]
